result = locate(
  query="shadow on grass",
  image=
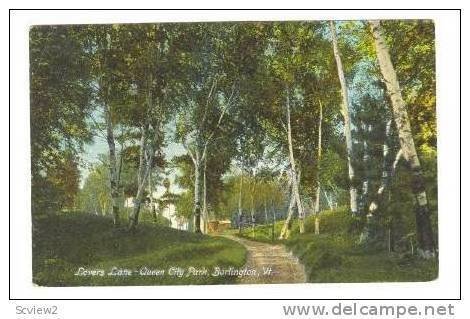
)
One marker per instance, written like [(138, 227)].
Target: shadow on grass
[(65, 243)]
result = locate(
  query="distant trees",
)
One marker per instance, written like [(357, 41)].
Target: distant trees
[(94, 196)]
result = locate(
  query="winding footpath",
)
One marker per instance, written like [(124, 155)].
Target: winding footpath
[(273, 263)]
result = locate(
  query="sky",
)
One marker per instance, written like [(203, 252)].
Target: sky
[(100, 146)]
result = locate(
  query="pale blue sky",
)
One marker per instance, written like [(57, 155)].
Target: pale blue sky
[(99, 146)]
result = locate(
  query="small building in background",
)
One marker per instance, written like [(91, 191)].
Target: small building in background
[(169, 212), (216, 226)]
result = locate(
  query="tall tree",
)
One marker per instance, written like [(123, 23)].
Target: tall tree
[(102, 55), (423, 222), (347, 120), (211, 88), (150, 65), (295, 175), (319, 153)]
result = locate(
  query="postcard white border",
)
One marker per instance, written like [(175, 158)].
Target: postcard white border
[(448, 68)]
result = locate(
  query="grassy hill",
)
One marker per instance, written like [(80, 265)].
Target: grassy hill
[(68, 244)]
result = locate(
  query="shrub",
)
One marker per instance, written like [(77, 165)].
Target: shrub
[(331, 221)]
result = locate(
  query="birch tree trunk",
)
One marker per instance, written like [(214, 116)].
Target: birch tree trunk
[(285, 231), (144, 172), (253, 214), (200, 152), (365, 161), (295, 181), (347, 120), (386, 152), (240, 211), (204, 200), (197, 155), (423, 221), (148, 146), (134, 217), (265, 213), (197, 192), (152, 203), (113, 174), (252, 195), (387, 174), (273, 226), (114, 185), (328, 200), (319, 149)]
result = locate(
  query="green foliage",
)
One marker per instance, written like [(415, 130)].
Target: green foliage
[(221, 89), (257, 193), (264, 233), (95, 195), (60, 102), (412, 48), (184, 206), (58, 189), (331, 221)]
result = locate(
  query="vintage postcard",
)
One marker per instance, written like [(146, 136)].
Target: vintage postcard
[(233, 153)]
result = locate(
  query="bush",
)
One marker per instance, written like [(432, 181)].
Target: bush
[(331, 221)]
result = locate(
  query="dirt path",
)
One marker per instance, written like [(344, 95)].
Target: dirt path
[(285, 268)]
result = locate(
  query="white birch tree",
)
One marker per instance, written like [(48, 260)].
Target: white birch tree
[(423, 223), (347, 119)]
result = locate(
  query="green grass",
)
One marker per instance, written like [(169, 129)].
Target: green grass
[(64, 242), (335, 256), (330, 258)]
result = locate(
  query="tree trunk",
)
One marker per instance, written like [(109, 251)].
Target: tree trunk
[(152, 203), (274, 221), (253, 186), (265, 213), (145, 171), (423, 221), (387, 174), (386, 152), (114, 185), (197, 192), (328, 200), (113, 175), (295, 181), (205, 214), (319, 149), (347, 120), (134, 216), (365, 161), (143, 132), (240, 211), (285, 231)]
